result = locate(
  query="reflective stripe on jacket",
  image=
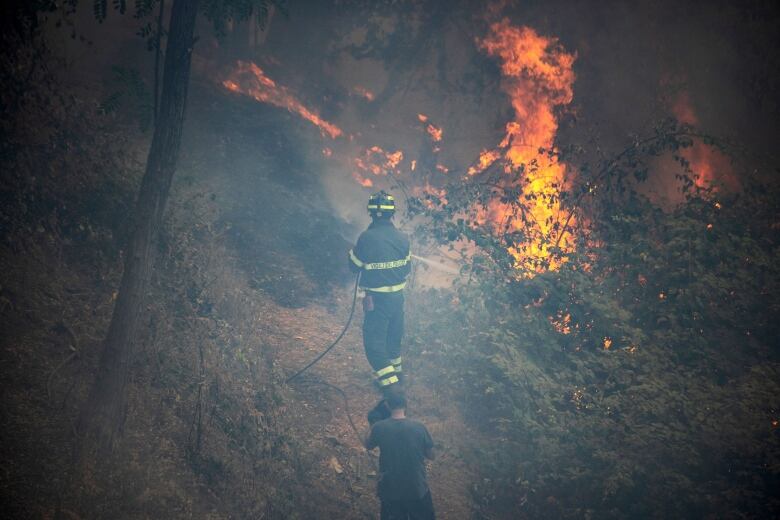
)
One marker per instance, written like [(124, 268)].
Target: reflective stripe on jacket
[(382, 253)]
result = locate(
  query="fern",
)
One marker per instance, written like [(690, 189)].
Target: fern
[(100, 9), (144, 8), (120, 5), (129, 92)]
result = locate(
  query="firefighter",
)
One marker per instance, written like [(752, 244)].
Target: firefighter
[(382, 256)]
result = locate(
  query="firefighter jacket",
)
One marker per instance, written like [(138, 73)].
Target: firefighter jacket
[(382, 253)]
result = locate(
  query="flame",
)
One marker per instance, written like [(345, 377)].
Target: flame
[(538, 78), (704, 160), (561, 322), (377, 161), (363, 181), (364, 93), (435, 132), (486, 158), (250, 80)]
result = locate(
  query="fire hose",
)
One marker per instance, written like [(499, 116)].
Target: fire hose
[(322, 354), (352, 314), (336, 341)]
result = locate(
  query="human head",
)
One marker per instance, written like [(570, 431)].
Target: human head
[(381, 205), (396, 400)]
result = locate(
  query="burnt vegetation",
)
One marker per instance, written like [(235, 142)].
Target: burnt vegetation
[(632, 371)]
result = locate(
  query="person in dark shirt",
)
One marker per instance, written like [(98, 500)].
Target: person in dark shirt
[(382, 257), (403, 444)]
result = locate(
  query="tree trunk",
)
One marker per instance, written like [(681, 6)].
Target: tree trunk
[(103, 415)]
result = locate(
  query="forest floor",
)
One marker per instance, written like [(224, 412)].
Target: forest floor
[(253, 277), (295, 259), (320, 417), (251, 283)]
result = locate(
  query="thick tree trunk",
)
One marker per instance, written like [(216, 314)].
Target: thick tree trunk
[(104, 413)]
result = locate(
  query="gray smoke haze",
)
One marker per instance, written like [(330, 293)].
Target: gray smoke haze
[(416, 57)]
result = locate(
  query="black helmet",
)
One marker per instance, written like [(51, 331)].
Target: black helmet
[(381, 204)]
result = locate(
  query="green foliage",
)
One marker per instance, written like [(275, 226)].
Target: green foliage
[(223, 12), (129, 91), (643, 367)]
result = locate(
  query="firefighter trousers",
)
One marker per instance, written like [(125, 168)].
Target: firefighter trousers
[(383, 329)]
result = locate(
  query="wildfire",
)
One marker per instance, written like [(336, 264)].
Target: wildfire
[(704, 160), (364, 93), (538, 78), (363, 181), (486, 158), (427, 191), (250, 80), (377, 162), (561, 322)]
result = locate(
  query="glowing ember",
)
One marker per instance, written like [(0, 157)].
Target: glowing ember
[(364, 93), (607, 343), (537, 77), (422, 117), (435, 132), (376, 161), (442, 168), (363, 181), (561, 322), (250, 80)]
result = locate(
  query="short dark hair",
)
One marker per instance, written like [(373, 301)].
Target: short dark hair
[(396, 401)]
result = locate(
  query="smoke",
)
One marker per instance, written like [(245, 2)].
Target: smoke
[(370, 69)]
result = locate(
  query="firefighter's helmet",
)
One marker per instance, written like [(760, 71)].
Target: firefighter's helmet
[(381, 204)]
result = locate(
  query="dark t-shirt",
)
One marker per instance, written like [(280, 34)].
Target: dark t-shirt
[(403, 444)]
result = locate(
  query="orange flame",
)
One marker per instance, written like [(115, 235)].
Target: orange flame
[(486, 158), (378, 162), (537, 77), (250, 80), (364, 93), (704, 160), (363, 181), (435, 132)]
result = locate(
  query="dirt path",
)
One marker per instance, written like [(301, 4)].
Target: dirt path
[(336, 462)]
